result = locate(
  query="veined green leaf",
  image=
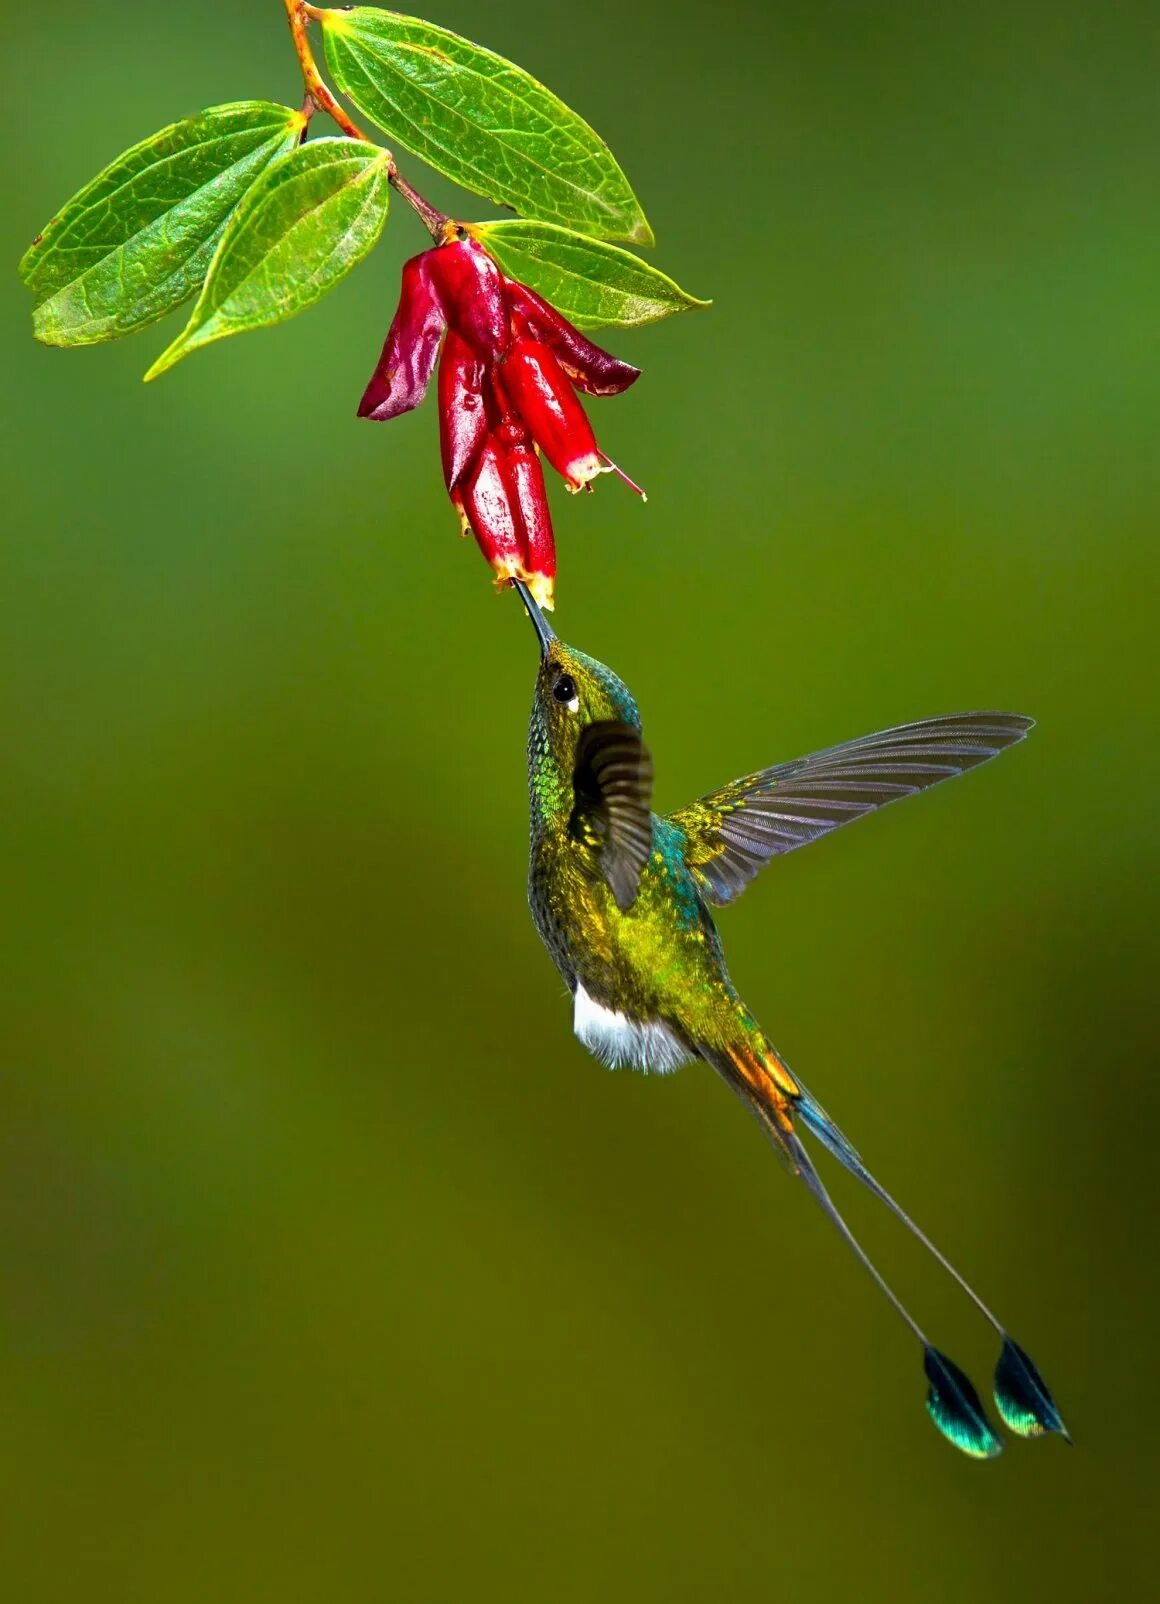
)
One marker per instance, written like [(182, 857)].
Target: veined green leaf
[(481, 121), (308, 220), (594, 284), (137, 240)]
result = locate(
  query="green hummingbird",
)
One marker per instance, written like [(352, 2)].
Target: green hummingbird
[(621, 898)]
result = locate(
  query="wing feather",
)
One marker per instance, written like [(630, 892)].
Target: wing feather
[(612, 783), (732, 833)]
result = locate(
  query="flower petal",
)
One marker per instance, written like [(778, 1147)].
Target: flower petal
[(543, 399), (489, 504), (471, 289), (590, 367), (404, 368), (462, 411), (539, 543)]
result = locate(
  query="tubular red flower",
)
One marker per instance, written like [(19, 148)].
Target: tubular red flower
[(462, 409), (506, 393), (471, 289), (404, 369), (490, 507), (590, 367), (544, 401), (527, 478)]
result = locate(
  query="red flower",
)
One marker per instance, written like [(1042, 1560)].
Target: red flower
[(510, 368), (538, 391), (462, 408), (591, 369)]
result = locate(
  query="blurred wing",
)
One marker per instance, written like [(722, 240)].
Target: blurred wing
[(612, 781), (732, 833)]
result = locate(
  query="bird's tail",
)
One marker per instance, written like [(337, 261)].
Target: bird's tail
[(778, 1101)]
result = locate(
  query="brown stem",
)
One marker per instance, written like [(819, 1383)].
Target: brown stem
[(434, 220), (296, 15), (319, 98)]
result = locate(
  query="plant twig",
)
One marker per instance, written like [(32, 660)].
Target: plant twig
[(319, 98), (434, 220), (296, 15)]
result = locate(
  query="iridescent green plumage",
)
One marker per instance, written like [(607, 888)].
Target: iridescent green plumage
[(953, 1405), (1025, 1405), (659, 959), (621, 898)]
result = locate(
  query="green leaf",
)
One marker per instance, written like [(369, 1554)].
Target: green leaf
[(309, 219), (480, 121), (592, 283), (137, 240)]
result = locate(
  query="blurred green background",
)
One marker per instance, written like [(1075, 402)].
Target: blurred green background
[(332, 1267)]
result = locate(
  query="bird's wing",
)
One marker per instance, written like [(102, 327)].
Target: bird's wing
[(612, 781), (732, 833)]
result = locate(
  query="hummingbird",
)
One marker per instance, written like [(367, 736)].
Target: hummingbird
[(622, 897)]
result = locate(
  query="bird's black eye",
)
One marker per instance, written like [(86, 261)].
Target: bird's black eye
[(564, 690)]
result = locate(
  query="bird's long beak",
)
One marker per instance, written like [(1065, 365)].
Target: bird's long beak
[(539, 623)]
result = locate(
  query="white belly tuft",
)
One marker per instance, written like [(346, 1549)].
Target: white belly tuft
[(623, 1043)]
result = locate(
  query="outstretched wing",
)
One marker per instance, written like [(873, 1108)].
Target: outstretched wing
[(612, 780), (732, 833)]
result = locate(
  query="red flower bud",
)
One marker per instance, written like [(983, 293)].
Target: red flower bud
[(541, 395), (589, 366), (539, 573), (490, 508), (471, 289), (462, 409), (404, 369)]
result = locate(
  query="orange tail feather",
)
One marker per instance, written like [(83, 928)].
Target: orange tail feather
[(762, 1080)]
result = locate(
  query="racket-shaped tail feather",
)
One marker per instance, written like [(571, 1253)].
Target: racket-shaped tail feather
[(1022, 1397), (954, 1406), (774, 1097)]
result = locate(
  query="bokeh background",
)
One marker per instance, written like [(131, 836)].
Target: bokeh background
[(332, 1268)]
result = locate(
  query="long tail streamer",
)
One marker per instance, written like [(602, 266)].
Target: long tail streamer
[(1022, 1398), (1021, 1395)]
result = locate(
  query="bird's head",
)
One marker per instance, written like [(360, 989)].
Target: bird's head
[(572, 691)]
